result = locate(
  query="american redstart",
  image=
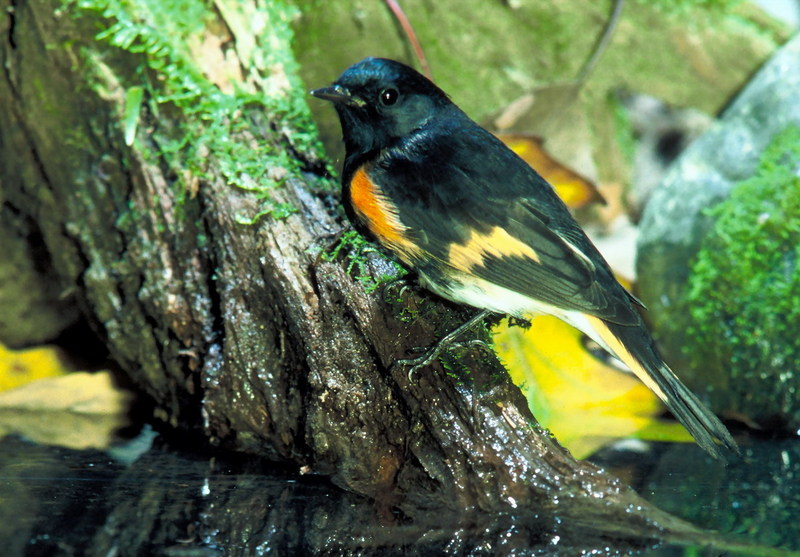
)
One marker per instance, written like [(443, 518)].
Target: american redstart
[(480, 227)]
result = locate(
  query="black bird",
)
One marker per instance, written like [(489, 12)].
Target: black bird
[(480, 227)]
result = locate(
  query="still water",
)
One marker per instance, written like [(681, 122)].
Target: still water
[(146, 498)]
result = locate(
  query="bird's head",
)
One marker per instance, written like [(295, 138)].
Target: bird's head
[(379, 101)]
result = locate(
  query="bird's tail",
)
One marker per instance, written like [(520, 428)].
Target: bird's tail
[(634, 346)]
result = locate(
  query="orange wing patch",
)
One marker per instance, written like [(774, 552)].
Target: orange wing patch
[(496, 242), (379, 214)]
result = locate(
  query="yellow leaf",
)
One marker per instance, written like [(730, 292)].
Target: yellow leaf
[(575, 190), (79, 410), (18, 367), (582, 400)]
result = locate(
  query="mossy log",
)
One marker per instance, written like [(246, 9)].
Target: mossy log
[(218, 308)]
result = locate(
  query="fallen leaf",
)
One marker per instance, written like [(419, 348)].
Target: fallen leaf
[(219, 65), (79, 410), (583, 400), (18, 367), (575, 190)]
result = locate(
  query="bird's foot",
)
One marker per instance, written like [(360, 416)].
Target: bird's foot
[(431, 353)]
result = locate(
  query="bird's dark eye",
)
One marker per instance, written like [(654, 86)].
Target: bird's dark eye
[(389, 96)]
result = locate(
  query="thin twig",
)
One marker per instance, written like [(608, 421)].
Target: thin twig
[(400, 15), (602, 43)]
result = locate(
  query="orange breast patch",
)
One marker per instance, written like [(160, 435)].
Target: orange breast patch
[(379, 214)]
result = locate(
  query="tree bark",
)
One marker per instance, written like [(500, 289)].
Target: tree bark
[(240, 331)]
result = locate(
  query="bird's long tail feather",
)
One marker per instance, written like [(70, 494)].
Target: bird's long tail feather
[(634, 346)]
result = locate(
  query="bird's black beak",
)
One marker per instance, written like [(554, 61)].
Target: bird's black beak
[(337, 95)]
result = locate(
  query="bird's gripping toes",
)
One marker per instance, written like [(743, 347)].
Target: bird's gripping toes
[(480, 227)]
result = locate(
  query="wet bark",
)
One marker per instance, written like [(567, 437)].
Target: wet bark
[(239, 331)]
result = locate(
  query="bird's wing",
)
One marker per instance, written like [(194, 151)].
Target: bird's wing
[(474, 207)]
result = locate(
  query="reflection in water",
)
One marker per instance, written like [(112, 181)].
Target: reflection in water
[(167, 502), (756, 498)]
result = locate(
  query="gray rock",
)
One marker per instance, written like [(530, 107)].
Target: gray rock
[(673, 231)]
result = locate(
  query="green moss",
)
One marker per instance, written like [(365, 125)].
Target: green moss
[(355, 248), (683, 7), (742, 291), (163, 33)]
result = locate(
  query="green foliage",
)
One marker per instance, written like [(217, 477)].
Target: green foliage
[(743, 288), (133, 107), (164, 32), (355, 247)]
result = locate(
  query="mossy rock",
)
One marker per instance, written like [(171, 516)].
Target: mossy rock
[(742, 290), (718, 257)]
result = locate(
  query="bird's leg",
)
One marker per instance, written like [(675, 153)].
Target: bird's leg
[(433, 352)]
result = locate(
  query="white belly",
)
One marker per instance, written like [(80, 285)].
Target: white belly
[(479, 293)]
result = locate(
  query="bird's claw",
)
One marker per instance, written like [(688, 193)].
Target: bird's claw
[(430, 354), (475, 343), (445, 343), (400, 285)]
